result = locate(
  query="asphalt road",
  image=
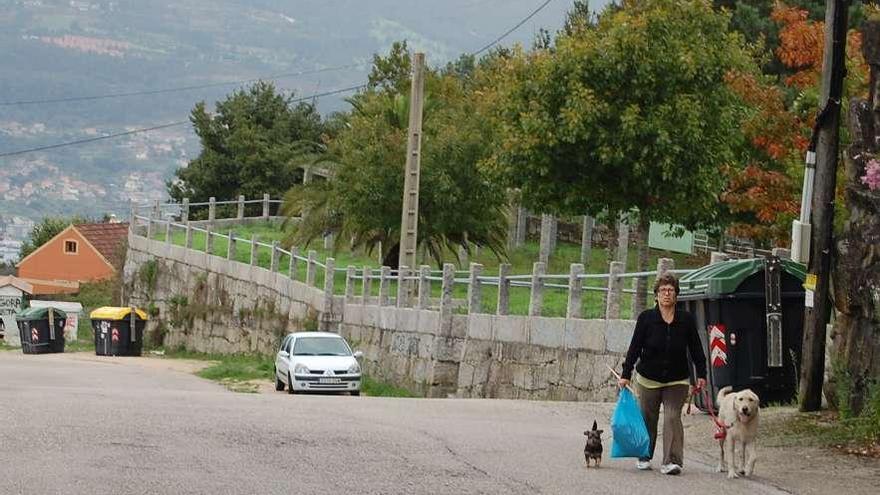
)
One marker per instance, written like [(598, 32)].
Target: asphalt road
[(70, 426)]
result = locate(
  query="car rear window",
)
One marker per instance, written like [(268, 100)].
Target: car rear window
[(320, 346)]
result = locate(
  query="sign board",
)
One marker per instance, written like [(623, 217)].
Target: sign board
[(660, 236)]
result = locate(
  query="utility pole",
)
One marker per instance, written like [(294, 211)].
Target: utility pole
[(409, 222), (824, 149)]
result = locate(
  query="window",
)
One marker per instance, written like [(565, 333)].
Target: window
[(70, 247)]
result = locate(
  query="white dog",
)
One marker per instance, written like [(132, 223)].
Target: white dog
[(739, 413)]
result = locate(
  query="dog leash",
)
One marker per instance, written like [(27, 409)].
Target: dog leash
[(720, 427)]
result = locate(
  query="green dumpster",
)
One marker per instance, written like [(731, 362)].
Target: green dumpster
[(41, 330)]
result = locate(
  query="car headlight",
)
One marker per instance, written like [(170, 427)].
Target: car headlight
[(301, 369), (354, 369)]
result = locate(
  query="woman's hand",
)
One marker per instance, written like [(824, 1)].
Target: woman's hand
[(623, 382), (701, 383)]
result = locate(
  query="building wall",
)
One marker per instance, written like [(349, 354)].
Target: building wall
[(50, 262)]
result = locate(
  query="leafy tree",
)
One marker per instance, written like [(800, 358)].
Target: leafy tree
[(45, 230), (362, 201), (248, 145)]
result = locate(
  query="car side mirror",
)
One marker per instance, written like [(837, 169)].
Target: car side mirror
[(283, 354), (358, 354)]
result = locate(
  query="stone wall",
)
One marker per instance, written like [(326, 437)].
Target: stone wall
[(210, 304)]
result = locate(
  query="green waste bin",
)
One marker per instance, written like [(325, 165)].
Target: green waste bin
[(41, 330), (750, 317), (118, 331)]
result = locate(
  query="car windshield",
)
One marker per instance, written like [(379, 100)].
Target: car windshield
[(320, 346)]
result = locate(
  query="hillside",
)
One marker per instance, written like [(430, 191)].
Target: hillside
[(55, 49)]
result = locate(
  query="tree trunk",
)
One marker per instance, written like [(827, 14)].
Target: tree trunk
[(857, 265), (641, 284)]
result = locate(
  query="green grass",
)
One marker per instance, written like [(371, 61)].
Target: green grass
[(555, 300), (378, 389)]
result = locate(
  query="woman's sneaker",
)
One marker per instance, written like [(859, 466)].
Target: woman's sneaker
[(643, 465), (670, 469)]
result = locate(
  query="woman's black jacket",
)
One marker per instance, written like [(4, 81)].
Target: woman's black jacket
[(661, 348)]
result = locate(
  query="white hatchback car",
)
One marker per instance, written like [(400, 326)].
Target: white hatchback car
[(317, 361)]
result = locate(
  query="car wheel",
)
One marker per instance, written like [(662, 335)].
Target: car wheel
[(355, 393), (290, 389), (279, 385)]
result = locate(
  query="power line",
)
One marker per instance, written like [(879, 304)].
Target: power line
[(157, 127), (175, 89), (514, 28)]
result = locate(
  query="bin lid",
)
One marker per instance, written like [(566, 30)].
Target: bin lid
[(115, 313), (725, 277), (38, 314)]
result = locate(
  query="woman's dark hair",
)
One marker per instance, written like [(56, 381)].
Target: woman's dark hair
[(666, 279)]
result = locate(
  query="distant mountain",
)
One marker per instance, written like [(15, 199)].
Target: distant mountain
[(51, 49)]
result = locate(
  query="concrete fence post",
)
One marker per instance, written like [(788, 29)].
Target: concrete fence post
[(522, 218), (168, 232), (188, 239), (536, 301), (446, 292), (329, 280), (240, 213), (276, 257), (150, 227), (366, 286), (463, 256), (212, 209), (209, 240), (575, 290), (475, 293), (546, 243), (615, 285), (586, 239), (230, 247), (132, 221), (384, 279), (328, 242), (184, 210), (503, 307), (663, 266), (266, 206), (403, 287), (622, 254), (424, 301), (157, 210), (350, 273), (311, 267), (254, 249), (292, 262)]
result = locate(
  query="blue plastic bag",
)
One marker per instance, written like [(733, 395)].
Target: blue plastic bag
[(628, 427)]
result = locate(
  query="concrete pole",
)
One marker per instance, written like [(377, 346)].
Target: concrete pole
[(230, 247), (209, 240), (403, 287), (311, 267), (329, 281), (184, 211), (212, 209), (424, 301), (546, 246), (350, 274), (575, 290), (253, 249), (168, 232), (446, 293), (384, 285), (475, 293), (537, 296), (522, 217), (615, 285), (503, 306), (586, 239), (240, 213), (409, 222), (266, 206), (276, 257), (622, 254), (367, 288), (292, 263)]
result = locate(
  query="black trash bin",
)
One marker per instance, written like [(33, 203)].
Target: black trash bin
[(114, 335), (750, 316), (41, 330)]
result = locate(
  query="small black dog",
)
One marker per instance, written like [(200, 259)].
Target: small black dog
[(593, 448)]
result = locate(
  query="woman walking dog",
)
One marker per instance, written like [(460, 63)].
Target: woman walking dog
[(664, 342)]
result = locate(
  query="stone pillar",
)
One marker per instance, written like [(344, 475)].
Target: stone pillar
[(209, 240), (522, 216), (586, 239), (503, 306), (424, 301), (475, 293), (575, 290), (384, 283), (276, 257), (546, 246), (615, 285), (253, 250), (367, 287), (188, 239), (717, 257), (446, 298), (240, 213), (622, 254), (266, 206), (184, 211), (168, 232), (329, 281), (311, 267), (403, 287), (350, 274), (230, 247), (292, 262), (537, 297), (212, 209)]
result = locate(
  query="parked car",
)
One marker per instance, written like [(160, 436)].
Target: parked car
[(317, 362)]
